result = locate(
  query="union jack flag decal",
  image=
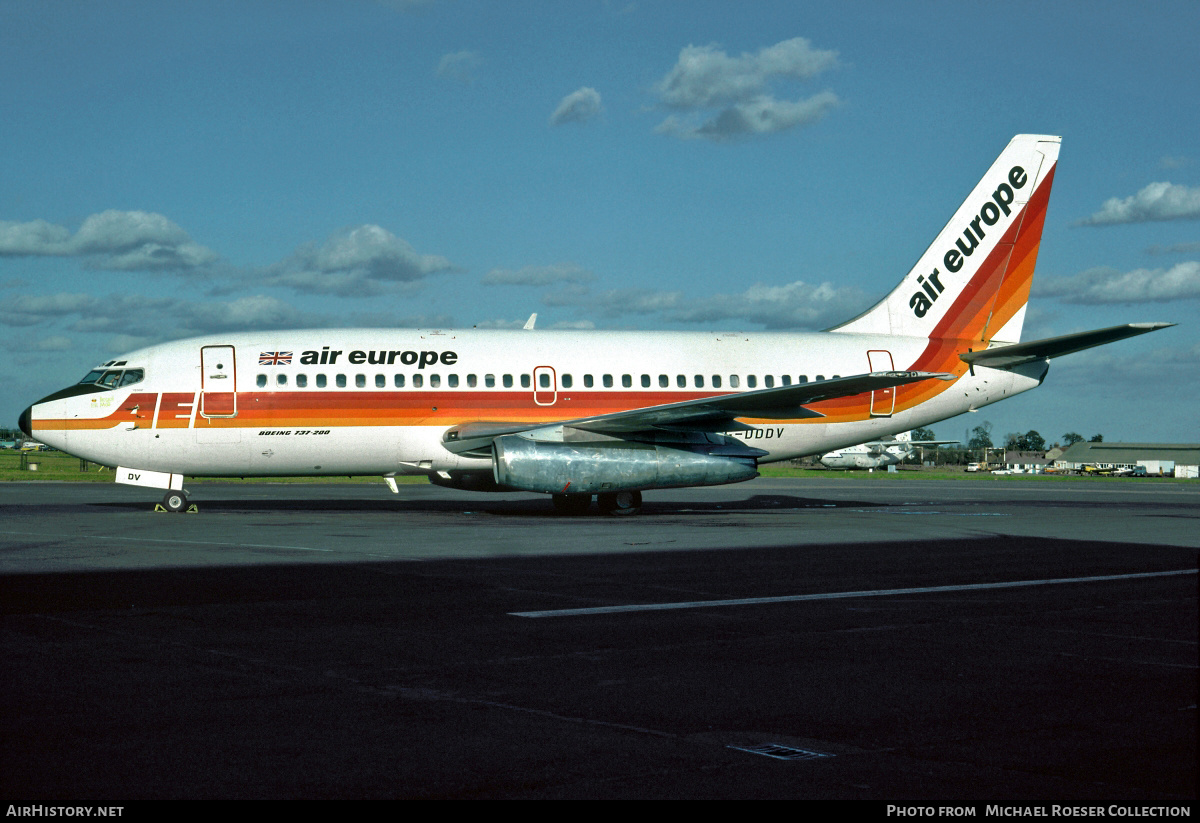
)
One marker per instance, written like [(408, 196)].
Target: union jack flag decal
[(275, 358)]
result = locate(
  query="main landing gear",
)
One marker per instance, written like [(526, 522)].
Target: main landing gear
[(614, 503)]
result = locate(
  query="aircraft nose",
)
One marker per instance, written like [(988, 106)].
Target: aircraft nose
[(25, 422)]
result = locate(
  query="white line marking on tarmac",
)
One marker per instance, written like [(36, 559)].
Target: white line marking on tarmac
[(126, 539), (796, 598)]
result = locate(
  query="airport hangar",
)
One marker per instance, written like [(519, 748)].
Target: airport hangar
[(1158, 458)]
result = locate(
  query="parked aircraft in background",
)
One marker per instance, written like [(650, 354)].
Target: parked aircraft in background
[(577, 414), (878, 453)]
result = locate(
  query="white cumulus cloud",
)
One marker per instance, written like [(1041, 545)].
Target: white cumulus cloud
[(356, 262), (459, 66), (1106, 285), (723, 98), (1157, 201), (797, 305), (118, 240), (539, 275), (578, 106)]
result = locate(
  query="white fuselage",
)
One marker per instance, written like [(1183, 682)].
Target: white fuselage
[(378, 401)]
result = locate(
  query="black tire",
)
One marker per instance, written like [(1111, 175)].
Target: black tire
[(572, 504), (620, 504), (175, 501)]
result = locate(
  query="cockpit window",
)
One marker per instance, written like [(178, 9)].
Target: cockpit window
[(113, 378), (132, 376)]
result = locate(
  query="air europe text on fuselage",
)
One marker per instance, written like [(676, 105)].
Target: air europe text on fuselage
[(379, 357), (989, 214)]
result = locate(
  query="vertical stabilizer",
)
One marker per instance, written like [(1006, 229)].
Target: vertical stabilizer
[(973, 282)]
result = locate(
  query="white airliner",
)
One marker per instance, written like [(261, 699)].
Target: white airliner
[(577, 414), (877, 453)]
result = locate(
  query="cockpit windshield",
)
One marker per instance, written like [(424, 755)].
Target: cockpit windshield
[(113, 378)]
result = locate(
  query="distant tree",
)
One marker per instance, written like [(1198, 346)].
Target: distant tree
[(1071, 438), (981, 437), (1012, 441), (1097, 438), (1033, 442), (923, 434)]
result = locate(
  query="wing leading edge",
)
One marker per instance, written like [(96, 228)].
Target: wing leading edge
[(703, 414)]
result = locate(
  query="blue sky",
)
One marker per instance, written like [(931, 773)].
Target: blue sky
[(173, 169)]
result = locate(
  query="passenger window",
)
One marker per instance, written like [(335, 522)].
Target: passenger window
[(340, 380), (489, 380), (380, 381), (320, 381), (452, 380), (716, 384), (751, 381), (302, 380), (608, 383), (524, 381), (399, 381), (769, 381), (645, 381), (418, 381), (802, 378), (663, 381), (435, 381), (587, 381), (471, 381), (699, 381), (626, 381), (360, 381), (681, 381), (544, 380), (786, 380), (508, 381), (567, 382), (820, 377), (261, 380), (733, 381), (281, 379)]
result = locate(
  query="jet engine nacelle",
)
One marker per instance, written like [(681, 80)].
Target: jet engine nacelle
[(610, 466)]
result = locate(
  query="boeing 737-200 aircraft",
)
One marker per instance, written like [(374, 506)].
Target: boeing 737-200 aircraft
[(577, 414)]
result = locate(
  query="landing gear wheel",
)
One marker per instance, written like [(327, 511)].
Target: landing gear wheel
[(620, 503), (572, 503), (175, 501)]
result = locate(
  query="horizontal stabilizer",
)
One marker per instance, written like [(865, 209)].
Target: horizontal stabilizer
[(1005, 357)]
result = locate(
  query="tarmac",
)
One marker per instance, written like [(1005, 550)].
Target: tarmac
[(879, 638)]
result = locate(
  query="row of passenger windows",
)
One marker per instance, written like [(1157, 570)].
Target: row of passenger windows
[(566, 381)]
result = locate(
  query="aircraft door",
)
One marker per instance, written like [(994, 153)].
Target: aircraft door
[(883, 401), (218, 382), (545, 386)]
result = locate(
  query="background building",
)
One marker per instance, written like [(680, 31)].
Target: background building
[(1180, 459)]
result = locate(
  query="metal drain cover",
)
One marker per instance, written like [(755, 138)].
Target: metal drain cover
[(781, 752)]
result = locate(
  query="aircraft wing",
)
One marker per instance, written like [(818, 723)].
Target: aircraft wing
[(1005, 357), (702, 414)]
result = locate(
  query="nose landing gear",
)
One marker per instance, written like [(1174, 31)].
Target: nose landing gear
[(175, 501)]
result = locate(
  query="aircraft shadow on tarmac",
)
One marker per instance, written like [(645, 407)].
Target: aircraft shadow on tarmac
[(498, 505)]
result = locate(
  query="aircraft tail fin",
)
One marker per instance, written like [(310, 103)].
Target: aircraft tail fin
[(973, 282)]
